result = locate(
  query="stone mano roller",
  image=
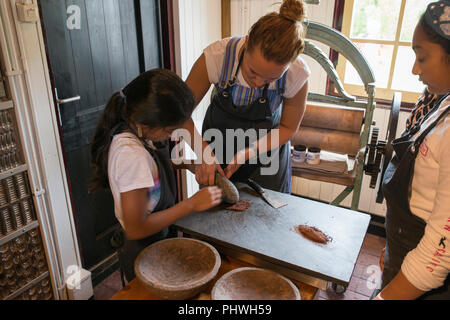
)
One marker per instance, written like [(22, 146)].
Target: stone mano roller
[(230, 194)]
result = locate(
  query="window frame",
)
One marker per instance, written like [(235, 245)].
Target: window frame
[(342, 22)]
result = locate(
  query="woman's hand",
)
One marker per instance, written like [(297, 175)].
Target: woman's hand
[(205, 173), (206, 198)]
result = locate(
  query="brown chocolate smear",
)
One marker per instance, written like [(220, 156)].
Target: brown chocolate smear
[(241, 205), (312, 233)]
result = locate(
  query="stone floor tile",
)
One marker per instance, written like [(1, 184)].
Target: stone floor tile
[(103, 292)]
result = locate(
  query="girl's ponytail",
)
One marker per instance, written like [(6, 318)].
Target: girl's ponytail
[(110, 118)]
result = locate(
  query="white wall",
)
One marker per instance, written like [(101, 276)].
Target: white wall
[(197, 23), (244, 13)]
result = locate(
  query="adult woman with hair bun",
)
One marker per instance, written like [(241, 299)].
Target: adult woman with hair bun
[(261, 83)]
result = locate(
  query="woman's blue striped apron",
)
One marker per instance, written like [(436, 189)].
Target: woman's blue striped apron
[(237, 107)]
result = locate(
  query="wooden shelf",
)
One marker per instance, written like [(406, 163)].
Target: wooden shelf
[(4, 105), (13, 171), (18, 232)]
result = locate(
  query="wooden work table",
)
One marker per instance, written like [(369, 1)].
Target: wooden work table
[(136, 291)]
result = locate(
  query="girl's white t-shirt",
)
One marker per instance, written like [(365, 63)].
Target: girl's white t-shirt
[(297, 74), (131, 167)]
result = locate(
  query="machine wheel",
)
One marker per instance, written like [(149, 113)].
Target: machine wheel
[(390, 135)]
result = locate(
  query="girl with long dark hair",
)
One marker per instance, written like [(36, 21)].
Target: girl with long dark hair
[(130, 155)]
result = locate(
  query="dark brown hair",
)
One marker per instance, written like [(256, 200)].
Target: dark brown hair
[(157, 98)]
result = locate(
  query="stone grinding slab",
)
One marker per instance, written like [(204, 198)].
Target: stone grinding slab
[(269, 234)]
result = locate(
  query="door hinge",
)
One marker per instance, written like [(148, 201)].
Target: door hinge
[(27, 12)]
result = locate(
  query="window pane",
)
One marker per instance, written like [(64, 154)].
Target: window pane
[(379, 57), (403, 78), (413, 11), (375, 19)]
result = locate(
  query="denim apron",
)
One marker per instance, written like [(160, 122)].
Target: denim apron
[(128, 250), (404, 230), (238, 107)]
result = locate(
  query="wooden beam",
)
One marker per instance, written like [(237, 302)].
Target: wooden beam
[(226, 18)]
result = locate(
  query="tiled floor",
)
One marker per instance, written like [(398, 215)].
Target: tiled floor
[(365, 276)]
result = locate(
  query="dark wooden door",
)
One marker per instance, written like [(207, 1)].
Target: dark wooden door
[(95, 47)]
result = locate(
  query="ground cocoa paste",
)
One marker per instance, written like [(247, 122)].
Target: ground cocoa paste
[(241, 205), (312, 233)]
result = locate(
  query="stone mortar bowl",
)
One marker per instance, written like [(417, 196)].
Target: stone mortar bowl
[(254, 284), (177, 268)]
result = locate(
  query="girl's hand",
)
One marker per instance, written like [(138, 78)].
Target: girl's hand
[(206, 198)]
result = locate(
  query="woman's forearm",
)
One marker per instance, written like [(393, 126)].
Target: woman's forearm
[(186, 164), (274, 139)]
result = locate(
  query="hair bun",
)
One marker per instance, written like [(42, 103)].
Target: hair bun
[(293, 10)]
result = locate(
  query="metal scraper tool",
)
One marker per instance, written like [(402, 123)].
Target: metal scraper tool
[(276, 203)]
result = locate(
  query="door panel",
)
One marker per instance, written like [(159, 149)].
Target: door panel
[(150, 34), (93, 60)]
